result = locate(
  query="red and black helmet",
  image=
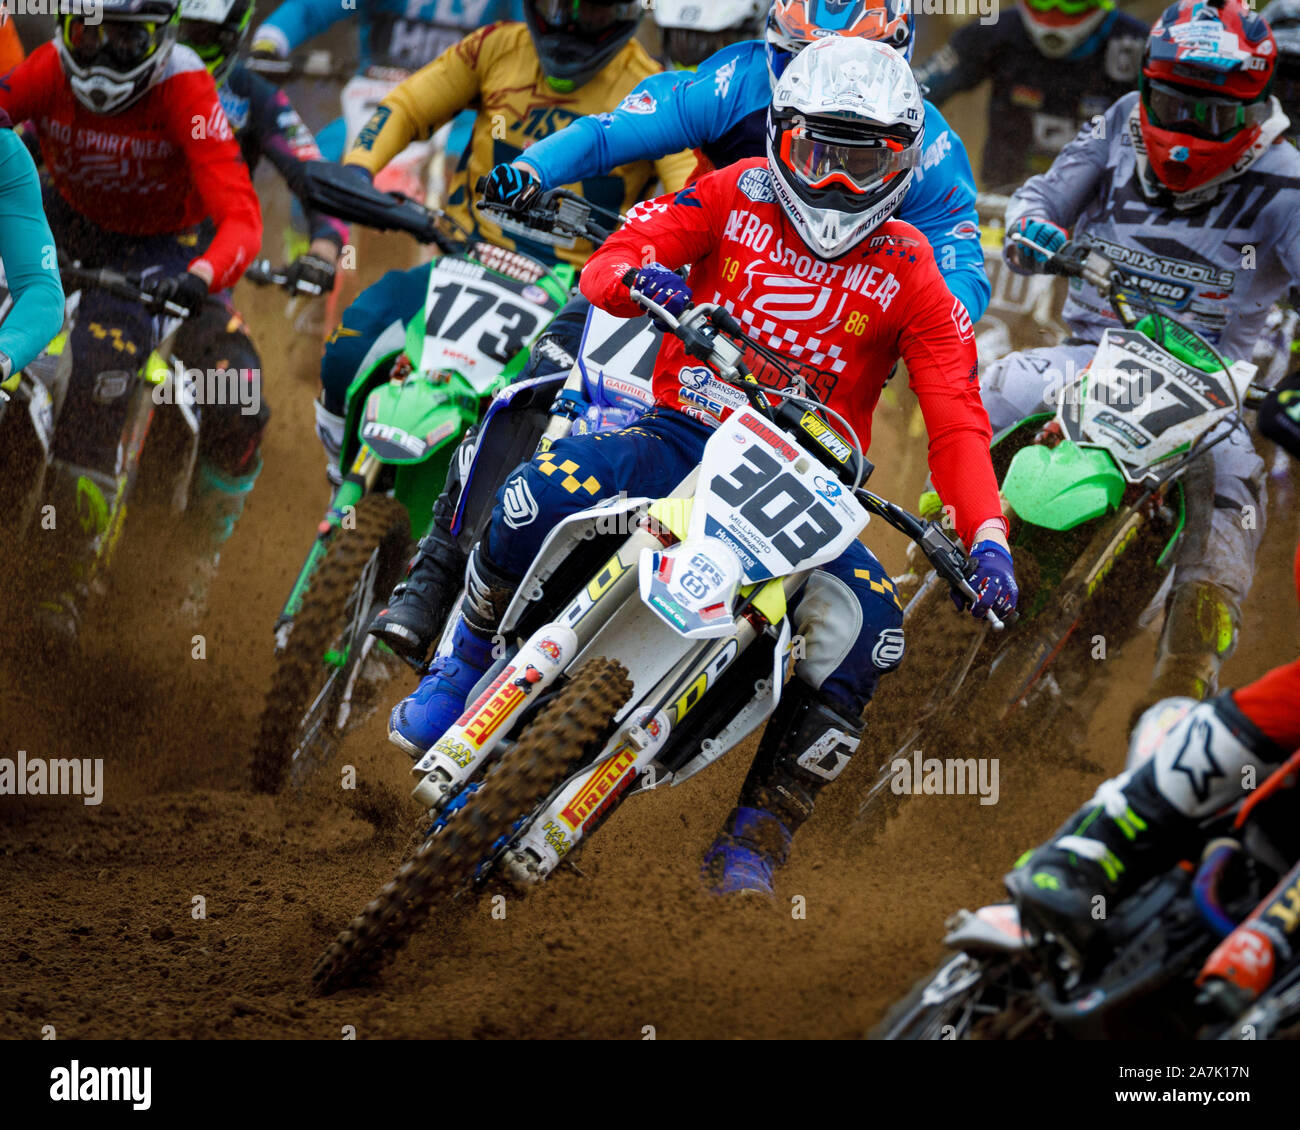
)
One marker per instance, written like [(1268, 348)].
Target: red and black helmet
[(1205, 85)]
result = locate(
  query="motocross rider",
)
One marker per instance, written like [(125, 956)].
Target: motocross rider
[(692, 31), (139, 153), (1054, 64), (721, 112), (1185, 183), (810, 222), (1145, 820)]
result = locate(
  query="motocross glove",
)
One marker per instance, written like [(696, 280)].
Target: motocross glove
[(186, 290), (512, 187), (266, 48), (663, 286), (1025, 260), (994, 581), (310, 274)]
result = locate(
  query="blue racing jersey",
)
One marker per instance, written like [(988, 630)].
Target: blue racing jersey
[(404, 34), (721, 110)]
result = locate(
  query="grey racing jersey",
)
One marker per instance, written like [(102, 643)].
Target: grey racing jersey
[(1219, 267)]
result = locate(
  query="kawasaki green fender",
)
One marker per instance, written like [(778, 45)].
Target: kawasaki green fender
[(404, 422), (1064, 486)]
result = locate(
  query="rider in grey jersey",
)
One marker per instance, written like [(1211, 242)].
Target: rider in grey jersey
[(1188, 184)]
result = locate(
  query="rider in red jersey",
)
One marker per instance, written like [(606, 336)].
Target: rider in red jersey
[(801, 248), (138, 155)]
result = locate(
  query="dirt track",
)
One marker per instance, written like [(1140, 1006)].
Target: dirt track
[(97, 936)]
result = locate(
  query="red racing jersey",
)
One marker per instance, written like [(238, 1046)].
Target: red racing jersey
[(161, 165), (843, 324)]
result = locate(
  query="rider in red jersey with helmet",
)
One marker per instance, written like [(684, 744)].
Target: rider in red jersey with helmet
[(139, 153), (800, 247)]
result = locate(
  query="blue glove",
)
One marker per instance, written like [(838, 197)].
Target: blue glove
[(663, 286), (994, 581), (510, 186), (1042, 232)]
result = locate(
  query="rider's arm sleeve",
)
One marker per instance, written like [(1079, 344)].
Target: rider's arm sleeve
[(287, 142), (942, 204), (959, 64), (1061, 193), (418, 106), (937, 341), (297, 21), (219, 175), (27, 251), (674, 230), (668, 118), (1270, 702)]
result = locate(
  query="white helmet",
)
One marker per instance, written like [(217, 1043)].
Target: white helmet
[(843, 136), (692, 30)]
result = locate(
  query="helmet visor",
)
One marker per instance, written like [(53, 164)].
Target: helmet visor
[(122, 44), (585, 16), (860, 167)]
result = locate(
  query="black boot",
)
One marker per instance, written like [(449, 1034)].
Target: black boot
[(1138, 824), (421, 603), (807, 743)]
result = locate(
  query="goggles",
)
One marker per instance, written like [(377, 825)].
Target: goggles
[(123, 43), (1214, 119), (1073, 8), (823, 163), (585, 15)]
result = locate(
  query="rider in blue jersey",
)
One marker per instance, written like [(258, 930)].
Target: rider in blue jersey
[(30, 267), (401, 34), (721, 111)]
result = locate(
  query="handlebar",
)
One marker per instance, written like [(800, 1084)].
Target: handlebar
[(558, 217), (706, 331), (120, 286), (262, 273), (313, 64), (329, 189)]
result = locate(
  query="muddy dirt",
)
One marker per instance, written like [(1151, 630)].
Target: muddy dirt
[(186, 906)]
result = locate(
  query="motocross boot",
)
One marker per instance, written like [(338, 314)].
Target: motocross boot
[(422, 601), (218, 502), (807, 743), (1139, 823), (1200, 632), (329, 430), (80, 504), (422, 718)]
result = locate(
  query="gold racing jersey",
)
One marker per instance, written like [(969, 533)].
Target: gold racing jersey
[(495, 71)]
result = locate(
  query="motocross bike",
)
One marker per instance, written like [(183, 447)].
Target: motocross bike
[(157, 452), (647, 639), (416, 394), (1140, 980), (1096, 496)]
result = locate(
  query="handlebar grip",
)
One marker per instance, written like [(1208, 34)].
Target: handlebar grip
[(629, 277), (480, 185)]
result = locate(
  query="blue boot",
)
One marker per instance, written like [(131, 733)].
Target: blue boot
[(422, 718), (741, 860)]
